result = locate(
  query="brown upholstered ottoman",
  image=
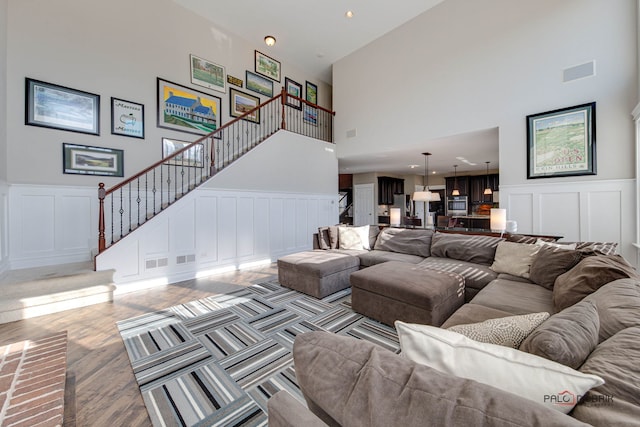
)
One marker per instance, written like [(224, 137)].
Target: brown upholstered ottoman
[(317, 273), (401, 291)]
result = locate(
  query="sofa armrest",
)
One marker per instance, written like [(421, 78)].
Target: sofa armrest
[(285, 411)]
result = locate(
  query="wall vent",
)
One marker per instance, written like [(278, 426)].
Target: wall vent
[(184, 259), (352, 133), (581, 71), (155, 263), (163, 262), (151, 263)]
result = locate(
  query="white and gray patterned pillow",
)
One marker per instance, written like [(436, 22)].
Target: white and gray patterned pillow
[(507, 331)]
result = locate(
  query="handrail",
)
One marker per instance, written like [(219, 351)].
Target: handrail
[(220, 147)]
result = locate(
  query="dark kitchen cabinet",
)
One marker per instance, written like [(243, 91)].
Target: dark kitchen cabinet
[(387, 187), (462, 183)]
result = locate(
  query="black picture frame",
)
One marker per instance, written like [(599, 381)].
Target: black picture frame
[(562, 142), (87, 160), (53, 106), (183, 117), (293, 88), (127, 118), (258, 84), (311, 92), (267, 66)]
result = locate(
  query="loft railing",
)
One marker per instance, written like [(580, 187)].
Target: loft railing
[(129, 204)]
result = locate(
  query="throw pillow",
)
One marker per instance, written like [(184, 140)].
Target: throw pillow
[(333, 237), (507, 331), (353, 237), (526, 375), (587, 276), (567, 337), (618, 305), (568, 246), (324, 242), (514, 258), (551, 262), (465, 247), (604, 248)]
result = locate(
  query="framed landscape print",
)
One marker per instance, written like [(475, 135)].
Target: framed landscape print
[(311, 92), (311, 115), (193, 157), (259, 84), (242, 103), (562, 142), (267, 66), (58, 107), (207, 74), (187, 110), (86, 160), (293, 88), (127, 118)]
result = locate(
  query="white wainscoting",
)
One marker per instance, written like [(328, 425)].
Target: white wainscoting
[(51, 224), (212, 229), (4, 227), (602, 211)]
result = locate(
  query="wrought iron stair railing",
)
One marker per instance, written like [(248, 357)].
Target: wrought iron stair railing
[(131, 203)]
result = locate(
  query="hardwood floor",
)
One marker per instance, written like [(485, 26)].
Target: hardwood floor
[(105, 388)]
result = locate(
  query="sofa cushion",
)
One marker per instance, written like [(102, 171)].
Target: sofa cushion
[(587, 276), (502, 367), (465, 247), (567, 337), (523, 238), (353, 237), (509, 331), (515, 297), (604, 248), (617, 401), (476, 276), (373, 257), (514, 258), (352, 382), (550, 262), (473, 313), (618, 305), (567, 246), (405, 240)]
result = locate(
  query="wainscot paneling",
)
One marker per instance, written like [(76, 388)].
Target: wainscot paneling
[(212, 229), (4, 227), (602, 211), (51, 224)]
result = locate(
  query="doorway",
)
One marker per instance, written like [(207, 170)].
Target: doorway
[(363, 205)]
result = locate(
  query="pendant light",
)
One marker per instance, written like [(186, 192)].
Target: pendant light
[(455, 191), (487, 191), (425, 195)]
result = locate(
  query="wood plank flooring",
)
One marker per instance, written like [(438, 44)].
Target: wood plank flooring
[(105, 388)]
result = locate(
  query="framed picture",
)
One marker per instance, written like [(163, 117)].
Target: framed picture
[(311, 92), (259, 84), (187, 110), (562, 142), (234, 80), (85, 160), (310, 115), (267, 66), (207, 74), (295, 89), (127, 118), (193, 157), (242, 103), (60, 107)]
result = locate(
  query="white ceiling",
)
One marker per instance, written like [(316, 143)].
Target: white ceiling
[(314, 35), (311, 35)]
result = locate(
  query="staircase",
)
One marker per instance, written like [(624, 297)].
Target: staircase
[(128, 205)]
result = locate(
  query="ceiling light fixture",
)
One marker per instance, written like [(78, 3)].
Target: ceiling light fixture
[(455, 191), (426, 195), (349, 14), (487, 190), (270, 40)]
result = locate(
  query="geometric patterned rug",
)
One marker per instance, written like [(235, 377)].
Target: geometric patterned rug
[(217, 361)]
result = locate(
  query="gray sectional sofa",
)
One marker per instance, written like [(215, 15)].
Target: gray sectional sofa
[(591, 294)]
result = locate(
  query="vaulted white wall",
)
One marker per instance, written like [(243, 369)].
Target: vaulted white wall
[(465, 66)]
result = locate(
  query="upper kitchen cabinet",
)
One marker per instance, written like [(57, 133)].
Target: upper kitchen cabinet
[(387, 187)]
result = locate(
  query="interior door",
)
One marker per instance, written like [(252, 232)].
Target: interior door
[(363, 205)]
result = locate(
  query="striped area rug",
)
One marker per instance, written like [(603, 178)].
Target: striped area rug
[(216, 361)]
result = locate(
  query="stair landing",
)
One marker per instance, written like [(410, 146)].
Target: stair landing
[(32, 292)]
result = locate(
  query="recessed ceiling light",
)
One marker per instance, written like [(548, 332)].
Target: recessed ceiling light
[(414, 166), (349, 14), (270, 40)]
